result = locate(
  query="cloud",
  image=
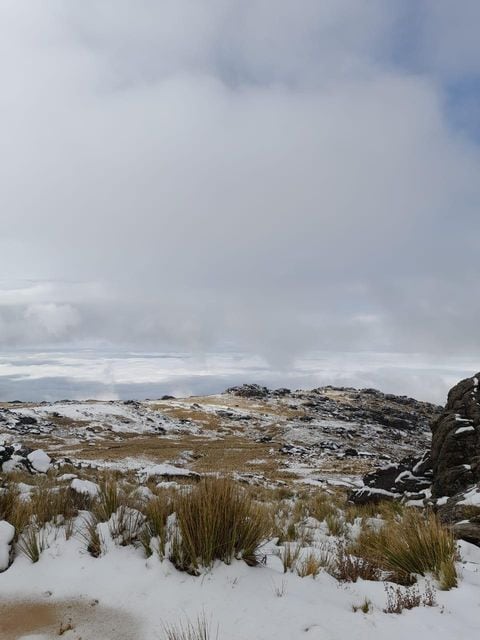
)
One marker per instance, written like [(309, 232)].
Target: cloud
[(276, 177)]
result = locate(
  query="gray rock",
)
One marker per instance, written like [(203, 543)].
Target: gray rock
[(456, 440)]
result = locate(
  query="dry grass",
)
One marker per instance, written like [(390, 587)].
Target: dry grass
[(198, 630), (217, 520), (311, 565), (108, 500), (32, 542), (156, 512), (48, 504), (90, 536), (289, 554), (14, 509), (416, 543)]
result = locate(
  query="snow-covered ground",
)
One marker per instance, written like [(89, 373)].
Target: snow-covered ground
[(122, 595)]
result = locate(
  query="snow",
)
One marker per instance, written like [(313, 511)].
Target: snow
[(85, 486), (464, 429), (7, 532), (136, 596), (166, 470), (471, 498), (39, 460)]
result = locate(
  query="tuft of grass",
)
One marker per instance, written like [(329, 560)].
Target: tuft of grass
[(32, 542), (309, 566), (198, 630), (365, 607), (156, 512), (125, 525), (90, 535), (415, 544), (48, 504), (108, 500), (335, 524), (289, 554), (14, 509), (217, 520), (321, 506)]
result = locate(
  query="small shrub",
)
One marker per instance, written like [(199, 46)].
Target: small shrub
[(349, 568), (399, 599)]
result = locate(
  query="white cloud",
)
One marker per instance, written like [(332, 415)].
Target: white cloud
[(263, 174)]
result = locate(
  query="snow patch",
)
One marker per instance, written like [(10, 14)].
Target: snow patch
[(39, 460), (85, 486), (7, 532)]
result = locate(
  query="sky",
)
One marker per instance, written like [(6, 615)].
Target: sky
[(272, 177)]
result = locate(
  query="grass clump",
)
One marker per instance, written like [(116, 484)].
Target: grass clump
[(198, 630), (14, 509), (156, 513), (217, 520), (90, 535), (415, 544), (108, 500), (289, 554), (311, 565), (32, 542), (365, 607)]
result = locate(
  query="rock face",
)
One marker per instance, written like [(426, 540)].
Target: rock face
[(456, 440), (451, 469), (411, 479)]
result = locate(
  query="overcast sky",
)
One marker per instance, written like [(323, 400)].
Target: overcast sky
[(276, 176)]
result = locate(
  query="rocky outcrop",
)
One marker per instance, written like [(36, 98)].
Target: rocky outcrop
[(456, 440), (249, 391), (451, 469), (409, 479)]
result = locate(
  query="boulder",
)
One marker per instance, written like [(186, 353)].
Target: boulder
[(462, 513), (410, 478), (456, 440)]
